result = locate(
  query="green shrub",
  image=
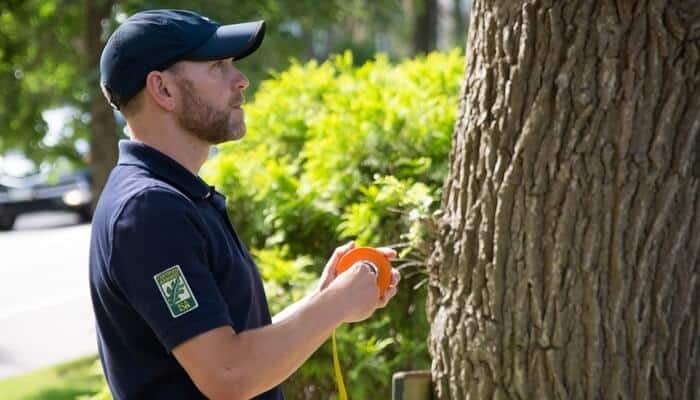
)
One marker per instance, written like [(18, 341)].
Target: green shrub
[(336, 152)]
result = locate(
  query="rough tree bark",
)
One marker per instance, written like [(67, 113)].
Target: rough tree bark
[(566, 263), (103, 128)]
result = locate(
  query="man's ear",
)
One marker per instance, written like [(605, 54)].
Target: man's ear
[(161, 88)]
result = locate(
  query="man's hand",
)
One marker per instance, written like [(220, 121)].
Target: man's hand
[(356, 294), (329, 272), (361, 282)]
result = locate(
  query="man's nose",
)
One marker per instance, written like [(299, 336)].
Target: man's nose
[(240, 81)]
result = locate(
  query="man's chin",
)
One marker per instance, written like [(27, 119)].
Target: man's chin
[(230, 136), (238, 133), (237, 128)]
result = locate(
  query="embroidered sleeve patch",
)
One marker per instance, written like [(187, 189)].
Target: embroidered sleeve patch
[(175, 291)]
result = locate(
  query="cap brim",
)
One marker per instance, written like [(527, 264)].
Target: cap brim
[(230, 41)]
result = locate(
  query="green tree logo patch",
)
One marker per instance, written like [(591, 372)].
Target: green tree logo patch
[(175, 291)]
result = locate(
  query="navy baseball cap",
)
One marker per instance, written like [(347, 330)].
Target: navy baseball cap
[(156, 39)]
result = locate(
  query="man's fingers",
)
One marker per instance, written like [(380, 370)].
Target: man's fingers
[(340, 251), (330, 272), (395, 277), (371, 267), (388, 252), (387, 296), (346, 247), (393, 288)]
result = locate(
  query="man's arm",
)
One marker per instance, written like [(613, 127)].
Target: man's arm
[(227, 365), (294, 307)]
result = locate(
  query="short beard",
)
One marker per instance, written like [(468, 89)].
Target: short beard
[(205, 121)]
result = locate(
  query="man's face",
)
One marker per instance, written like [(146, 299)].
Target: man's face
[(211, 94)]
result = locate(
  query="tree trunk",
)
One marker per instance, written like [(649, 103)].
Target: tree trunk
[(103, 128), (566, 263), (425, 26)]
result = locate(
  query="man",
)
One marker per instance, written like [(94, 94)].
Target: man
[(179, 304)]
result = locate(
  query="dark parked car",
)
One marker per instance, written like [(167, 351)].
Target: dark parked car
[(20, 196)]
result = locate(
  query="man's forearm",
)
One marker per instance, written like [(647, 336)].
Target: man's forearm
[(274, 352), (294, 307)]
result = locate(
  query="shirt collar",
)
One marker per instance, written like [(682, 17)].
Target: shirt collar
[(136, 153)]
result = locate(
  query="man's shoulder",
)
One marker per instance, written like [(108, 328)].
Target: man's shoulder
[(134, 193)]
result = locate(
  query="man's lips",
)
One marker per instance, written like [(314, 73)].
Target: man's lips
[(237, 102)]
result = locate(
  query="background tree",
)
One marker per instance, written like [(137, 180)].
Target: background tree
[(460, 14), (425, 27), (566, 263), (102, 125)]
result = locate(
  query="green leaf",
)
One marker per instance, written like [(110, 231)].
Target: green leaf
[(175, 290)]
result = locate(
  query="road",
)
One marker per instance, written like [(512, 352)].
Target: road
[(45, 311)]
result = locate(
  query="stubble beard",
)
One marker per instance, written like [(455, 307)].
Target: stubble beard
[(207, 122)]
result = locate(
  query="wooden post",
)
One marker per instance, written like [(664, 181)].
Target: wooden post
[(411, 385)]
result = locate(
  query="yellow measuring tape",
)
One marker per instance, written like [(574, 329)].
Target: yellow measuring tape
[(342, 394), (383, 269)]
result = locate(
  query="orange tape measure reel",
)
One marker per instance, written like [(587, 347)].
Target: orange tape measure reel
[(372, 256), (383, 268)]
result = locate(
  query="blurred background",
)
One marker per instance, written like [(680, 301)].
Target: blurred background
[(49, 51), (350, 113)]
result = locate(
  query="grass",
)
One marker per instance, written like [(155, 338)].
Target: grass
[(60, 382)]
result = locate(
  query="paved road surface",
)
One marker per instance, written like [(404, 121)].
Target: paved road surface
[(45, 311)]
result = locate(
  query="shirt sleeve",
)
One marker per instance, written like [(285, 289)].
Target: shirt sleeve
[(160, 263)]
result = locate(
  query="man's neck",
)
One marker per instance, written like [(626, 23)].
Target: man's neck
[(186, 149)]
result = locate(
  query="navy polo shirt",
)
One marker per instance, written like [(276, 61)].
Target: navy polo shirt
[(165, 265)]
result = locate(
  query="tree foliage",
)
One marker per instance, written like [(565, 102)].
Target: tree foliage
[(39, 69)]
